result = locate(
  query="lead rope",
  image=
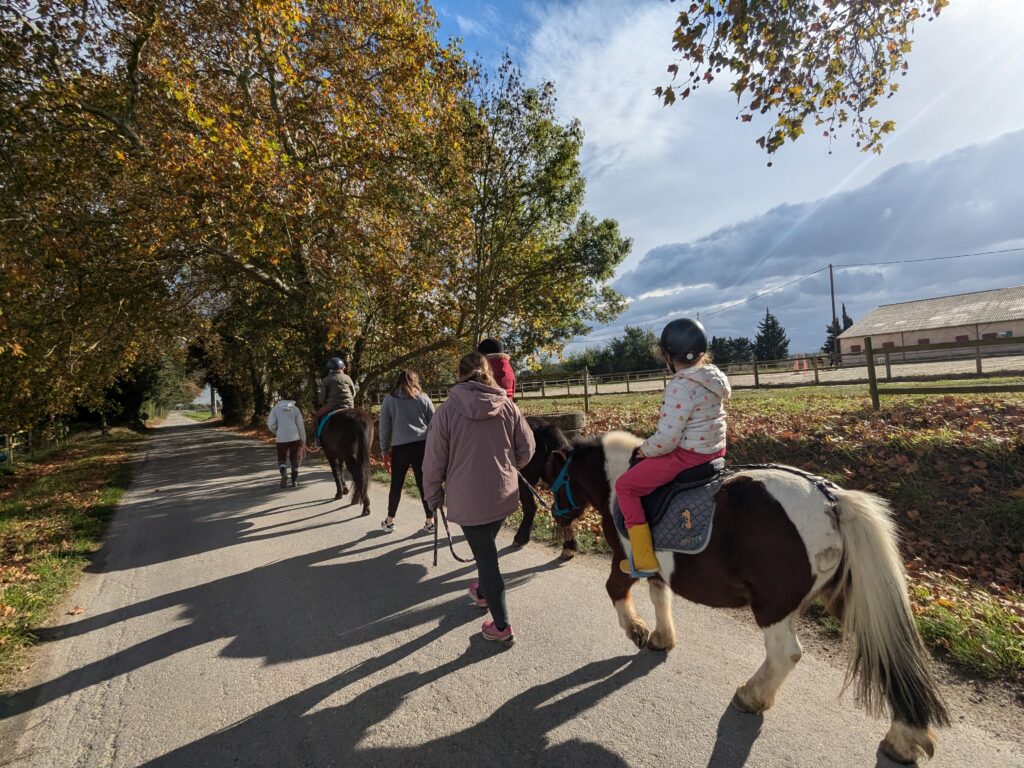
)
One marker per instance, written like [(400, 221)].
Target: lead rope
[(541, 499), (448, 533)]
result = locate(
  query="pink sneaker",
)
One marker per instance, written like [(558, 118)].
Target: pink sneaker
[(504, 636), (474, 593)]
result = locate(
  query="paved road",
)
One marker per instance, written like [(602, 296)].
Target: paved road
[(229, 623)]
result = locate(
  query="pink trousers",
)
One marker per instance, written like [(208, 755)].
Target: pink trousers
[(649, 475)]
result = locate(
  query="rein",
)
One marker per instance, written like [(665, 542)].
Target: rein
[(448, 533)]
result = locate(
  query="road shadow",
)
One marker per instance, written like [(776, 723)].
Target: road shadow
[(737, 732), (206, 489), (289, 733), (298, 608)]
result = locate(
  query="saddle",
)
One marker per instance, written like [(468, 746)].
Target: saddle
[(324, 420), (681, 512)]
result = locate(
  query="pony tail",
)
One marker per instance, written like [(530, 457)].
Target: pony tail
[(361, 466), (888, 665)]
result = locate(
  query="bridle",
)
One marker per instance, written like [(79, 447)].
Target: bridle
[(562, 482)]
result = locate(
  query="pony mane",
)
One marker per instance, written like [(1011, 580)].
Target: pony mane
[(618, 450)]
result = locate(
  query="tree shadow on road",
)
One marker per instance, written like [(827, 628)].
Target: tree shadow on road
[(515, 734), (202, 495), (298, 608)]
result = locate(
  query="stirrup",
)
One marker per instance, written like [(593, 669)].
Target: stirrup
[(640, 574)]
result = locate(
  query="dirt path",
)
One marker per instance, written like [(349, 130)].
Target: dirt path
[(231, 623)]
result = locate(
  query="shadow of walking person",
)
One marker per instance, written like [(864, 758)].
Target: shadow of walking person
[(515, 734)]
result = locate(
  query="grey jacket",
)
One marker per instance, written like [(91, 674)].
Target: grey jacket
[(477, 440), (404, 419)]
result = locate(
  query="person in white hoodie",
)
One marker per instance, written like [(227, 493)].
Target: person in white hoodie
[(691, 431), (286, 422)]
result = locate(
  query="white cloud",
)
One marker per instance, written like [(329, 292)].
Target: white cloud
[(669, 174), (967, 200), (692, 176), (468, 26)]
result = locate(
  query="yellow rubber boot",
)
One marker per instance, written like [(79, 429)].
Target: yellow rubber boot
[(642, 561)]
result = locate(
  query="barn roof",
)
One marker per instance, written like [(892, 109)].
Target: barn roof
[(981, 307)]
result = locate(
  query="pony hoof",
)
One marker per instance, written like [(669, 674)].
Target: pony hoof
[(568, 554), (366, 513), (740, 702), (339, 495), (656, 643), (906, 745), (640, 635), (521, 541)]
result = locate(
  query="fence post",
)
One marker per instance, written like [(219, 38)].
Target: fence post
[(568, 385), (869, 354), (543, 392), (664, 377), (977, 358), (814, 365), (597, 384), (757, 378), (586, 389), (627, 382), (888, 368)]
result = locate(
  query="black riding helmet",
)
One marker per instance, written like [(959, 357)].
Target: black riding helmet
[(684, 339), (335, 364)]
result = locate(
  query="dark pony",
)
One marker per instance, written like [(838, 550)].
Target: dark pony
[(781, 538), (548, 438), (346, 440)]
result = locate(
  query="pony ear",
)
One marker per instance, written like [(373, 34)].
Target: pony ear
[(554, 464)]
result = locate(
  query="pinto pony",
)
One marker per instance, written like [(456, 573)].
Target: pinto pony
[(548, 439), (346, 439), (779, 542)]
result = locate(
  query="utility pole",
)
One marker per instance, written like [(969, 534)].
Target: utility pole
[(832, 289)]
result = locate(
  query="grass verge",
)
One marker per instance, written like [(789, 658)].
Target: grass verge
[(52, 512)]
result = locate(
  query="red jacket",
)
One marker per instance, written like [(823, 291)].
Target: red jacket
[(501, 367)]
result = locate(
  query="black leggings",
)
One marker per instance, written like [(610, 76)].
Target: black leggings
[(492, 587), (402, 458)]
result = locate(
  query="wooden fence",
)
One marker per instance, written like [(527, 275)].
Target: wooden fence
[(870, 353)]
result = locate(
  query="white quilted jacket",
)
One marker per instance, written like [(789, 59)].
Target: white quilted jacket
[(692, 413)]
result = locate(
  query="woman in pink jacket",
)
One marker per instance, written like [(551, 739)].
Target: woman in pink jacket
[(476, 442)]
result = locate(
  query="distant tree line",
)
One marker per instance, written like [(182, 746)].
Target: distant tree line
[(637, 350)]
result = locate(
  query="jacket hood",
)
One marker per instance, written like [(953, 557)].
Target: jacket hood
[(709, 377), (284, 405), (477, 401)]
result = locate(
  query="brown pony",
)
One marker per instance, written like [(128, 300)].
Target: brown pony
[(548, 439), (346, 439), (778, 542)]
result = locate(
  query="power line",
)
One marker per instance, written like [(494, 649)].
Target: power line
[(929, 258), (766, 293), (851, 266)]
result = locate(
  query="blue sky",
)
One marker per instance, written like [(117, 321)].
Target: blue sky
[(713, 225)]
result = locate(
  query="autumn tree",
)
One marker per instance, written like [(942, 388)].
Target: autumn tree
[(827, 62), (538, 263)]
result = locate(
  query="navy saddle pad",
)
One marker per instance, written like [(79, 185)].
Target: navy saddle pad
[(681, 513)]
